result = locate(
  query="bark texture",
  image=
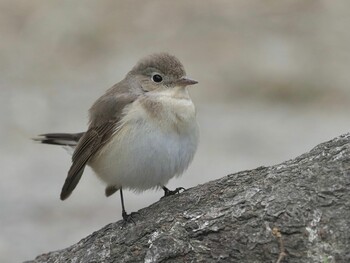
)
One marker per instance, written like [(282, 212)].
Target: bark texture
[(297, 211)]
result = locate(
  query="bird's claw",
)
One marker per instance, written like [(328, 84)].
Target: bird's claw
[(128, 218), (168, 192)]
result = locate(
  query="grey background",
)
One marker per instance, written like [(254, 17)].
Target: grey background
[(274, 82)]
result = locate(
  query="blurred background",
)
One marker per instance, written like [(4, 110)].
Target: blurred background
[(274, 82)]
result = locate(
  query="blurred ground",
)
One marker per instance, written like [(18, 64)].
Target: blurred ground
[(274, 82)]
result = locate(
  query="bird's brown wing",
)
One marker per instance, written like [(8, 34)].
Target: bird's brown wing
[(105, 116), (90, 143)]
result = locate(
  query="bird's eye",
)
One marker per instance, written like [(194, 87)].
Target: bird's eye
[(157, 78)]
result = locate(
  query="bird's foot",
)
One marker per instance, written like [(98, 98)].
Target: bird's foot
[(129, 218), (168, 192)]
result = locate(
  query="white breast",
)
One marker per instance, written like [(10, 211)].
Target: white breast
[(148, 150)]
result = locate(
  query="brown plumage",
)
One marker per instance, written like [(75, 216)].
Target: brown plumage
[(108, 111)]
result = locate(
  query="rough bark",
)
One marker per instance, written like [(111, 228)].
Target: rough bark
[(297, 211)]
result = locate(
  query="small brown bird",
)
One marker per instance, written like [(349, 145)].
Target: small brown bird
[(142, 131)]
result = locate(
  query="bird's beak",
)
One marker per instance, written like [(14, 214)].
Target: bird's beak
[(184, 81)]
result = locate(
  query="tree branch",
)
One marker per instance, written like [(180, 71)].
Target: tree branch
[(241, 217)]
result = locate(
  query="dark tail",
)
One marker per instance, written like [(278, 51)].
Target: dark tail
[(64, 139)]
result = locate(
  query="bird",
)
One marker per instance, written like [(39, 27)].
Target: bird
[(141, 132)]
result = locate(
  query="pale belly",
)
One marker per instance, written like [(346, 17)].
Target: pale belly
[(142, 155)]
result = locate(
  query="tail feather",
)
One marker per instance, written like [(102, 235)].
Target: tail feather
[(64, 139)]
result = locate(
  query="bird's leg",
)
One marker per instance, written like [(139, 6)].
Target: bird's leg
[(168, 192), (127, 218)]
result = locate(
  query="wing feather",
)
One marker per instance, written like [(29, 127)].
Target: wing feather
[(91, 142), (105, 116)]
